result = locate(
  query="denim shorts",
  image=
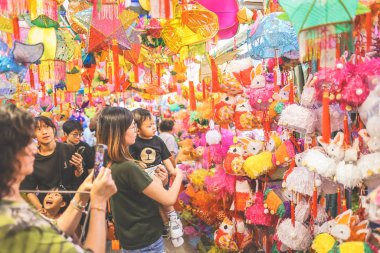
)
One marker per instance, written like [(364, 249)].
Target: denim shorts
[(156, 247)]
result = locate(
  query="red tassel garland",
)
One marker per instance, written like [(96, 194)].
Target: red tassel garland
[(326, 127), (339, 202), (115, 58), (192, 96), (292, 213), (315, 202)]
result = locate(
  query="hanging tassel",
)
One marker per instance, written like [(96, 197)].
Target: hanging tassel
[(55, 97), (31, 77), (292, 213), (291, 89), (214, 73), (339, 202), (159, 74), (266, 127), (346, 131), (326, 127), (204, 89), (115, 58), (16, 28), (192, 96), (136, 73), (315, 202), (368, 27), (344, 205)]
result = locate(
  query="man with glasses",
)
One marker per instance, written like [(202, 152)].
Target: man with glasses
[(73, 132)]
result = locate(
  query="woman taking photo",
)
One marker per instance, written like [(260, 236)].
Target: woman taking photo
[(135, 210), (22, 228)]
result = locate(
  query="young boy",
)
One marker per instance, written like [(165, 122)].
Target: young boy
[(55, 204), (152, 151), (73, 131)]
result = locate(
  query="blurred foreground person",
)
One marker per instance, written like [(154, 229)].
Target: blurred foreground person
[(22, 228)]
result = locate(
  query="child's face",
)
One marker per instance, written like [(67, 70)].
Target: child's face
[(147, 129), (53, 201)]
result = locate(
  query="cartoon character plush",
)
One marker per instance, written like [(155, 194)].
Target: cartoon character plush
[(251, 146), (325, 243), (347, 171), (224, 110), (297, 237), (244, 119), (273, 204), (258, 165), (223, 235), (260, 94), (233, 162), (242, 196), (186, 151), (348, 227)]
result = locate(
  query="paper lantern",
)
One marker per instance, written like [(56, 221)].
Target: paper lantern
[(193, 24), (44, 13)]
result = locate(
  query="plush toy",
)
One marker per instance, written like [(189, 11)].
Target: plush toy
[(334, 148), (295, 237), (257, 165), (347, 171), (244, 119), (186, 151), (241, 69), (325, 243), (284, 153), (213, 136), (224, 110), (242, 196), (254, 214), (223, 235), (273, 204), (232, 235), (302, 180), (260, 94), (274, 142), (233, 162), (348, 227), (251, 147)]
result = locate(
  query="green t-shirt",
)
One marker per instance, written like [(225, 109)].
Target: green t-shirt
[(137, 219), (24, 230)]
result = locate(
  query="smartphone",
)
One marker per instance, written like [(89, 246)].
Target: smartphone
[(100, 154), (81, 149)]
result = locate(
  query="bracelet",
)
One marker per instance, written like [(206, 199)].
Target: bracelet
[(78, 206), (98, 209)]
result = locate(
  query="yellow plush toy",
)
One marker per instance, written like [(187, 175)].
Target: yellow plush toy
[(186, 152), (258, 165)]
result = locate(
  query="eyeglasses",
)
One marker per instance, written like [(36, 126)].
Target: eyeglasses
[(76, 135), (133, 126)]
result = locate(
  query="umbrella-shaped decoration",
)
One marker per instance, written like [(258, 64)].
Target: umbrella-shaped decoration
[(273, 38), (193, 24), (318, 22), (227, 16)]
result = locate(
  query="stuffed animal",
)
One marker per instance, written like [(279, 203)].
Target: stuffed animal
[(244, 119), (334, 148), (233, 162), (242, 196), (254, 214), (273, 204), (347, 171), (251, 147), (371, 135), (223, 235), (224, 110), (284, 153), (186, 151), (348, 227), (325, 243), (260, 94), (257, 165)]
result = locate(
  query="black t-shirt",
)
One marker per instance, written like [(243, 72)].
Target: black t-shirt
[(88, 156), (53, 170), (151, 152)]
